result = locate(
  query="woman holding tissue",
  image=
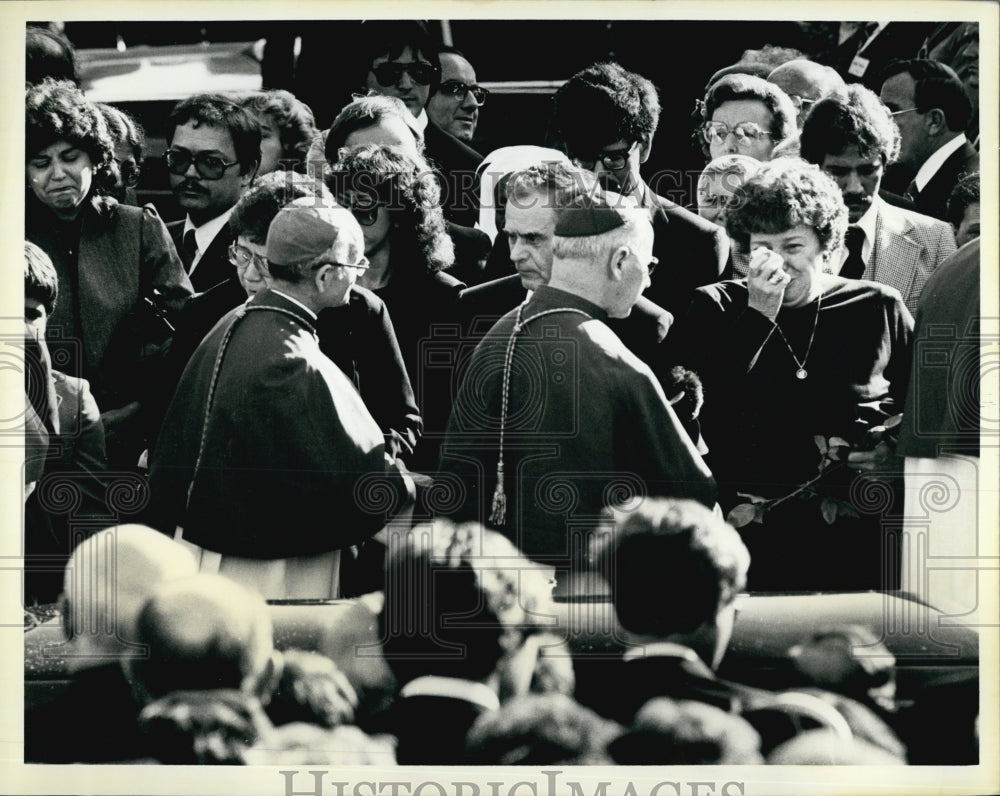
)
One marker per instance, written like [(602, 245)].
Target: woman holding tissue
[(801, 371)]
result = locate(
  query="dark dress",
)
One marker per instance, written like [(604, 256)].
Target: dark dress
[(759, 419)]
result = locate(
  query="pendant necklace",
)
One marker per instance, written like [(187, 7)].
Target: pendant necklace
[(802, 373)]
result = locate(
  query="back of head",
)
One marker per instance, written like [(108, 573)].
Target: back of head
[(935, 86), (256, 209), (108, 579), (675, 554), (458, 599), (362, 113), (852, 119), (965, 193), (602, 104), (540, 730), (665, 732), (292, 119), (48, 54), (204, 632), (218, 110), (826, 748), (806, 79), (41, 282), (124, 129)]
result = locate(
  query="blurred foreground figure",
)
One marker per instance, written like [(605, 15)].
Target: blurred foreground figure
[(108, 580)]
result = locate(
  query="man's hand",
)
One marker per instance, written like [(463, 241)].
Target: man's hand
[(766, 280)]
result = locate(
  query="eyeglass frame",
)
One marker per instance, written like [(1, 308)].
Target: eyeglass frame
[(709, 136), (622, 154), (355, 209), (894, 114), (235, 250), (651, 265), (196, 158), (458, 90), (400, 67), (800, 102), (135, 173)]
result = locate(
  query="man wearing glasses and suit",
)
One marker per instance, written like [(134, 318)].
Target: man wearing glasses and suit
[(213, 150), (606, 118)]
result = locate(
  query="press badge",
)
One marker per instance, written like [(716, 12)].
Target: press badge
[(858, 66)]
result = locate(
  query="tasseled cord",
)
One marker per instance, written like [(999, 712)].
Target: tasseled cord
[(498, 514)]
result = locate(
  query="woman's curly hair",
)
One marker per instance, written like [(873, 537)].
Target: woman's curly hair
[(786, 193), (293, 118), (56, 110), (412, 194)]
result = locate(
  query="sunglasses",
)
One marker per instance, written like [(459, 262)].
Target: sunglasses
[(746, 133), (129, 171), (242, 257), (209, 167), (458, 90), (611, 160), (390, 73), (366, 213)]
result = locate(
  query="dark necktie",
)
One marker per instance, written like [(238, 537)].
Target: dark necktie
[(189, 248), (853, 266)]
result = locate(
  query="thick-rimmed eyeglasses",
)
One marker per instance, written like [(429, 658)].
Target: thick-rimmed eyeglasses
[(612, 161), (746, 133), (242, 257), (208, 166), (390, 73), (458, 90), (130, 172)]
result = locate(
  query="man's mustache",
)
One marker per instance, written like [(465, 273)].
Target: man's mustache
[(190, 185)]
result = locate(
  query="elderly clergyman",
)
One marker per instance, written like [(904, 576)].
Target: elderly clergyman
[(555, 417), (267, 450)]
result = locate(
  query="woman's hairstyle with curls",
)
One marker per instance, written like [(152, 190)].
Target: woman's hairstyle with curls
[(736, 87), (412, 195), (293, 118), (56, 110), (786, 193)]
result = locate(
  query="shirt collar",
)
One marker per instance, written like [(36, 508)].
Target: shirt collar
[(420, 122), (294, 301), (936, 160), (660, 649), (546, 297), (205, 234), (453, 688)]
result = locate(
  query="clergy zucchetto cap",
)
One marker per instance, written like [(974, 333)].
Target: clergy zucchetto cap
[(592, 214), (304, 230)]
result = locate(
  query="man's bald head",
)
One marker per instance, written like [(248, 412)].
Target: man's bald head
[(807, 80), (203, 632), (108, 579)]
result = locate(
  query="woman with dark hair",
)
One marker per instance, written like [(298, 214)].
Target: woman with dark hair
[(129, 139), (396, 199), (800, 367), (287, 128), (746, 115), (119, 274)]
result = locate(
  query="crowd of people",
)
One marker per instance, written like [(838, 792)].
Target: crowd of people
[(369, 360)]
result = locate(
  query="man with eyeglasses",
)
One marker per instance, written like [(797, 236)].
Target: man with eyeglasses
[(606, 118), (267, 449), (454, 105), (932, 110), (805, 82), (213, 150), (852, 137), (402, 60)]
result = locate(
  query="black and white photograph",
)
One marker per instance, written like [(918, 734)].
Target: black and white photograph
[(489, 399)]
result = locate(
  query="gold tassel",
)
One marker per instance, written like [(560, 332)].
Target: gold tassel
[(498, 517)]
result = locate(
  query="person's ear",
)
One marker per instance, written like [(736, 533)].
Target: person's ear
[(616, 263), (645, 147), (323, 277), (248, 178), (935, 122)]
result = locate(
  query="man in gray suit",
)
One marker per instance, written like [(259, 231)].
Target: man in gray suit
[(851, 135)]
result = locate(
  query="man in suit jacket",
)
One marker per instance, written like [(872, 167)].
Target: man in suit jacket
[(606, 118), (851, 136), (213, 150), (930, 105)]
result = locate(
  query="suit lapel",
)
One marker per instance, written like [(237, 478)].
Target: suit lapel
[(214, 266), (896, 252)]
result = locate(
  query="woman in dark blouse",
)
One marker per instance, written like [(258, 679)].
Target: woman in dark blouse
[(790, 353), (396, 199)]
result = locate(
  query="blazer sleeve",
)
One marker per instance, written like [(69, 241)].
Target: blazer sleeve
[(160, 262), (399, 409)]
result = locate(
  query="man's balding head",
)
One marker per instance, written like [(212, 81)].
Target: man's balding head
[(108, 579), (204, 632), (807, 81)]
